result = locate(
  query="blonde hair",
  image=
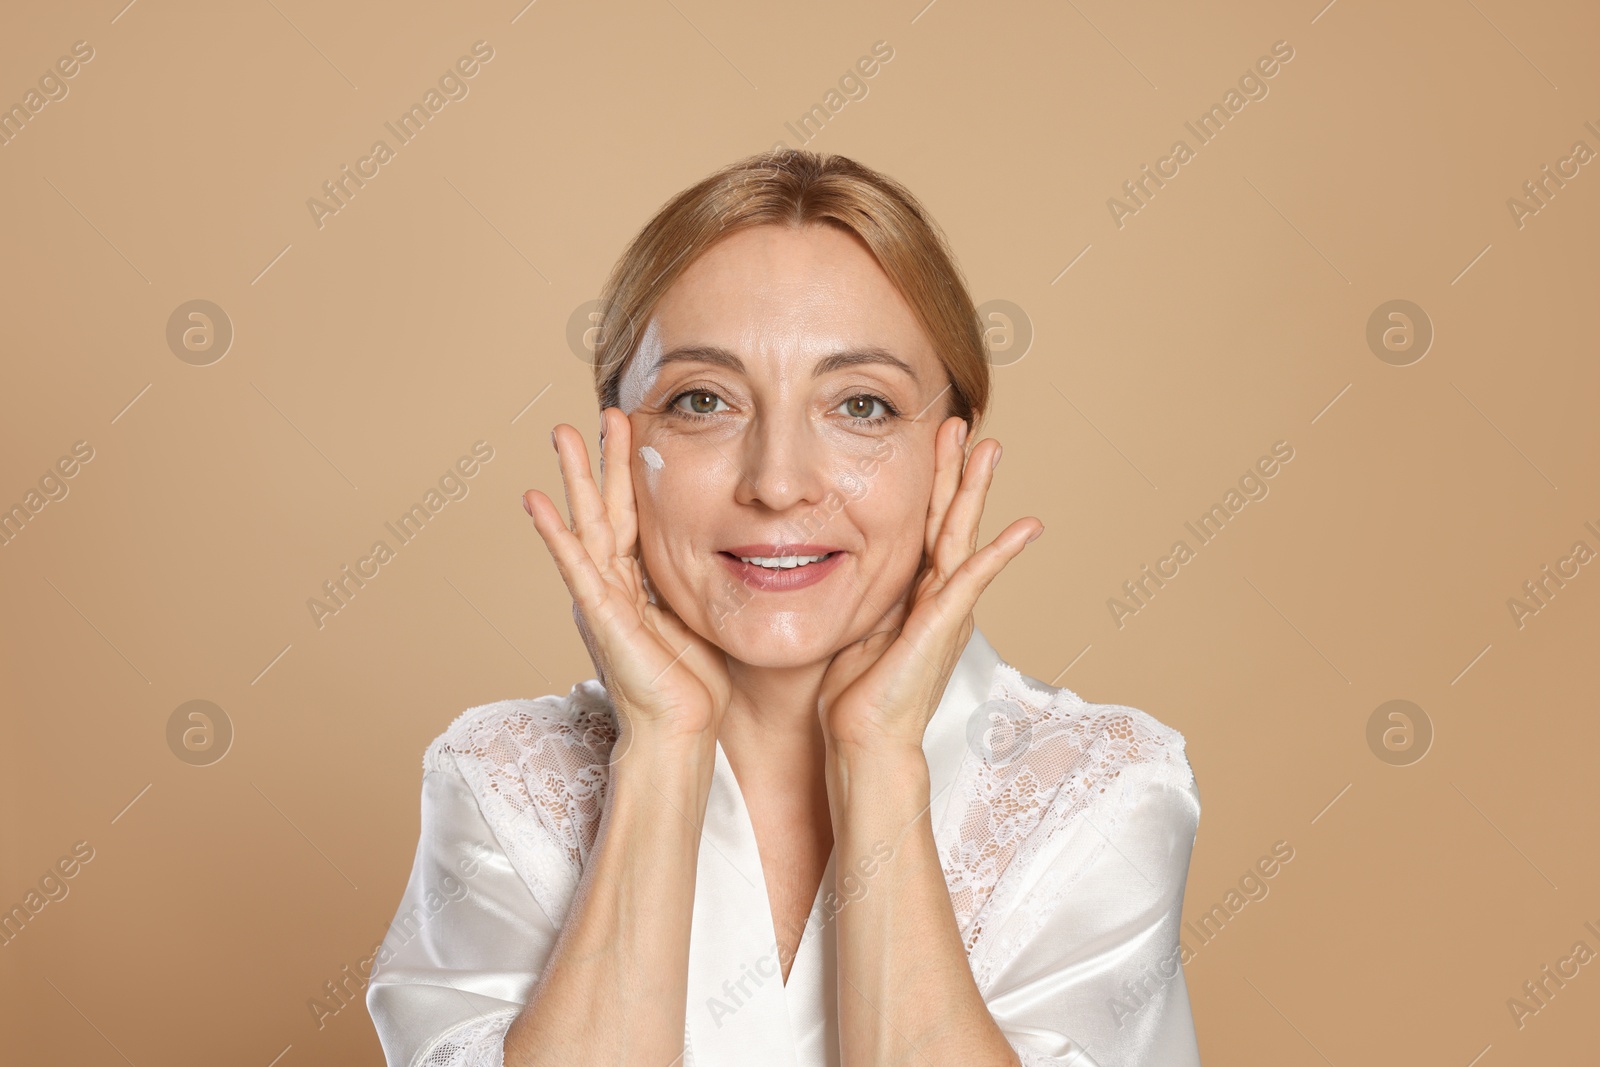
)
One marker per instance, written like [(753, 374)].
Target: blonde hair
[(797, 188)]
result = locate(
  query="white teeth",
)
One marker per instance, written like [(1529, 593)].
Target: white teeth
[(784, 562)]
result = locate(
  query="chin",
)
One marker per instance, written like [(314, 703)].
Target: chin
[(777, 639)]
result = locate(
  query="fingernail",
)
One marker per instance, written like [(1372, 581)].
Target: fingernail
[(553, 442), (1034, 536), (961, 434), (527, 507), (996, 461)]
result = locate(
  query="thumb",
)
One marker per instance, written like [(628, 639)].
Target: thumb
[(894, 619)]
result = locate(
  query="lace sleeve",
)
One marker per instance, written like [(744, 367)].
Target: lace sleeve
[(467, 943), (512, 794), (1099, 983), (539, 769), (1068, 847)]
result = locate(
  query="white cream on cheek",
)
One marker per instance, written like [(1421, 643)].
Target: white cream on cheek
[(652, 466)]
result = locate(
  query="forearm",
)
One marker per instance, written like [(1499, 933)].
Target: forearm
[(906, 992), (614, 988)]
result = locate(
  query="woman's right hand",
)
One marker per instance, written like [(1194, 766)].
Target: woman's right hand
[(662, 677)]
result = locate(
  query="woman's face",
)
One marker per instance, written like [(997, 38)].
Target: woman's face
[(783, 402)]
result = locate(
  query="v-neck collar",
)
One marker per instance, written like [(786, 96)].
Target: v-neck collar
[(739, 1008)]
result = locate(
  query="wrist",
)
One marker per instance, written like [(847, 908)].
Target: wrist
[(663, 741), (884, 781), (875, 751), (671, 763), (858, 734)]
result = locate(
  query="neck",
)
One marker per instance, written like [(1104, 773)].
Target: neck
[(772, 736), (772, 715)]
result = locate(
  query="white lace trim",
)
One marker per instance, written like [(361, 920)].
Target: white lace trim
[(539, 769), (479, 1042)]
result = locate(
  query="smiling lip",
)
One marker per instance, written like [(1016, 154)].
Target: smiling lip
[(775, 580)]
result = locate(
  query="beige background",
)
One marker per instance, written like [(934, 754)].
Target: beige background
[(369, 354)]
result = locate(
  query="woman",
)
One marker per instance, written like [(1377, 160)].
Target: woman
[(805, 814)]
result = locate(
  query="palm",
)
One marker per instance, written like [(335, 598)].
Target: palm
[(669, 664), (885, 687), (655, 668)]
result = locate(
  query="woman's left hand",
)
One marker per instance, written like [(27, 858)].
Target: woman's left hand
[(883, 689)]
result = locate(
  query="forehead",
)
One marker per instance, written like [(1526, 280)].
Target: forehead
[(785, 291)]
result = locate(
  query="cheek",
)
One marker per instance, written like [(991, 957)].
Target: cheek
[(887, 499), (679, 490), (859, 468), (683, 495), (672, 474)]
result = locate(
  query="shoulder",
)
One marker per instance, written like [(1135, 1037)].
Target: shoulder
[(1053, 779), (572, 731), (537, 770), (539, 763), (1062, 739)]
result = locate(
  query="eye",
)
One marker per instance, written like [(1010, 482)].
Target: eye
[(867, 408), (698, 402)]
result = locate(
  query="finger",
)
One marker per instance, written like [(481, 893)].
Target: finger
[(949, 449), (572, 559), (959, 595), (892, 619), (616, 483), (703, 659), (958, 537), (584, 503), (701, 654)]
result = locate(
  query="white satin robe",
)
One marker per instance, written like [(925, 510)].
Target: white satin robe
[(1064, 827)]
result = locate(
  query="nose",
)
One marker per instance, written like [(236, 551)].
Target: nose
[(781, 465)]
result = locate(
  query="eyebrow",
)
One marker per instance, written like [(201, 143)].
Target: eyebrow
[(850, 357)]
